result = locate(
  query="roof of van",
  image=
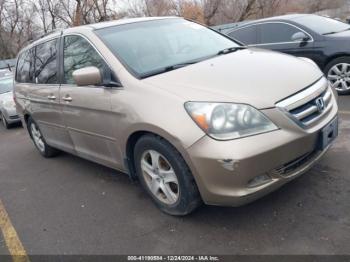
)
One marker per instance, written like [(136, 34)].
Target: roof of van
[(127, 21), (95, 26)]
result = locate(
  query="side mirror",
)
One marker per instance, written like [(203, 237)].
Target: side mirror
[(300, 37), (87, 76)]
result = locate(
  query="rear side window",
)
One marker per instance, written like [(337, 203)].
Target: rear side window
[(78, 53), (46, 63), (276, 33), (25, 67), (246, 35)]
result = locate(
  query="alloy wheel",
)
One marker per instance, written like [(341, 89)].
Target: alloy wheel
[(339, 76), (160, 177), (37, 137)]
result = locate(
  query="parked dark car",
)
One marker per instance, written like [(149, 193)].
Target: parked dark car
[(324, 40)]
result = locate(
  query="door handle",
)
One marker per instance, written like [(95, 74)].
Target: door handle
[(51, 97), (67, 98)]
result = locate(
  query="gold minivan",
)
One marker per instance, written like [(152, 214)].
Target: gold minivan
[(190, 113)]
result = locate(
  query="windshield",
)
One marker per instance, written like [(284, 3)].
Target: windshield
[(147, 48), (6, 85), (322, 25)]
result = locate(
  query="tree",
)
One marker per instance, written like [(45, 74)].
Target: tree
[(191, 10), (24, 20)]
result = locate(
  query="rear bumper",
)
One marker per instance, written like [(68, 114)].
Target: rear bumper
[(226, 171)]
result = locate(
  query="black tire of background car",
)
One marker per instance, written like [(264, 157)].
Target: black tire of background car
[(4, 122)]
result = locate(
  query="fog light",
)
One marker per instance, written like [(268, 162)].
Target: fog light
[(259, 180)]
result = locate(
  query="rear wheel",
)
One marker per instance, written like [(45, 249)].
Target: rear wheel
[(338, 73), (44, 149), (165, 176), (4, 121)]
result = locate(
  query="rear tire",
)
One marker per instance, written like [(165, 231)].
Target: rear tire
[(168, 180), (338, 73), (39, 141)]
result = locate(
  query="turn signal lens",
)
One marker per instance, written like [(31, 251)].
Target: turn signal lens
[(201, 121)]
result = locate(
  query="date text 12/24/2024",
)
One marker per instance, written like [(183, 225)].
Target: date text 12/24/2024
[(173, 258)]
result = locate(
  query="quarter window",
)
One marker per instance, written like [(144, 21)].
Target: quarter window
[(46, 63), (25, 67), (246, 35), (276, 33), (78, 53)]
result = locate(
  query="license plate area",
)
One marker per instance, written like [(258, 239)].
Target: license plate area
[(328, 134)]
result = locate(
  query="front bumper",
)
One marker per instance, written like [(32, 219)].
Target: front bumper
[(225, 170), (11, 116)]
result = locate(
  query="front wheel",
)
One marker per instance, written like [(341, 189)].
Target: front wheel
[(4, 121), (338, 73), (165, 176), (44, 149)]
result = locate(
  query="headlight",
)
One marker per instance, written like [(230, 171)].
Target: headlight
[(225, 121), (9, 104)]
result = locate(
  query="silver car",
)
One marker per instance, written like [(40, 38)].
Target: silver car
[(8, 111)]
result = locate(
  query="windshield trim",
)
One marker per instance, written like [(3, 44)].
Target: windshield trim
[(144, 76)]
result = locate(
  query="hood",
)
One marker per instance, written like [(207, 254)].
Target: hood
[(251, 76), (6, 97)]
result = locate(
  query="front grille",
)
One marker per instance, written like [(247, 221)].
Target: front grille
[(14, 117), (291, 166), (310, 105)]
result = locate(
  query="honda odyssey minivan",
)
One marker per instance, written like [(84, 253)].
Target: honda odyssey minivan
[(191, 114)]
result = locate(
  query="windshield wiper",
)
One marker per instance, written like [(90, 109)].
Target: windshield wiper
[(331, 33), (177, 66), (168, 69), (230, 50)]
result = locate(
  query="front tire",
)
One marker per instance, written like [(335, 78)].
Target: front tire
[(338, 73), (4, 121), (39, 141), (165, 176)]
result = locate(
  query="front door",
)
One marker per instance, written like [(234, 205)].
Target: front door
[(278, 37), (87, 109)]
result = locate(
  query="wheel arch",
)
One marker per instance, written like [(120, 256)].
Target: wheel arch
[(333, 57), (26, 117), (136, 134)]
